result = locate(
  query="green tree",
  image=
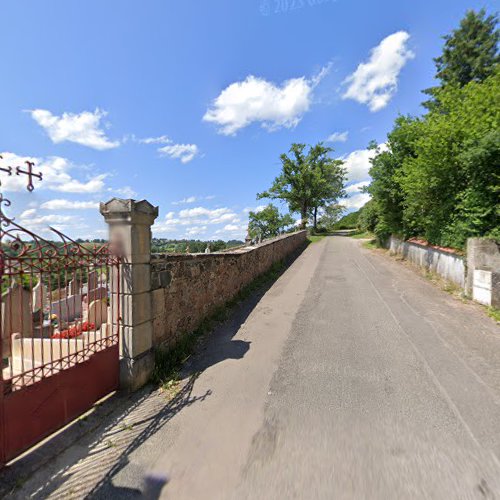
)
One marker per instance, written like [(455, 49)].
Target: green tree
[(450, 184), (387, 164), (268, 222), (307, 180), (470, 53), (368, 217), (330, 216)]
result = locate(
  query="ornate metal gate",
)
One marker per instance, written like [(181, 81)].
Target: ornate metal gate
[(59, 321)]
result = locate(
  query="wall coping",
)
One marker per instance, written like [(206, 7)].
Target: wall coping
[(450, 252), (156, 257)]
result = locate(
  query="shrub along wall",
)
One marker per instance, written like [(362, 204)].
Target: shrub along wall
[(188, 288)]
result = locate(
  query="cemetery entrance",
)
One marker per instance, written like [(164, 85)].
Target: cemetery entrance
[(59, 331)]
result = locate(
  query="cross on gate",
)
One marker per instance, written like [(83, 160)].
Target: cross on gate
[(6, 169), (30, 174)]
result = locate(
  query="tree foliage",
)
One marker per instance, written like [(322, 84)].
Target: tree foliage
[(268, 222), (307, 180), (330, 217), (470, 53), (439, 175)]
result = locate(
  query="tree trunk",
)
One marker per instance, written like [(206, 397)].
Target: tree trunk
[(303, 215), (315, 218)]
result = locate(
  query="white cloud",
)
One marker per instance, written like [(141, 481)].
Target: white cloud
[(375, 82), (162, 139), (213, 214), (358, 163), (60, 204), (27, 214), (183, 152), (356, 201), (83, 128), (258, 100), (231, 227), (338, 137), (192, 199), (56, 175), (197, 218), (355, 188), (256, 209), (196, 230), (189, 199), (125, 192)]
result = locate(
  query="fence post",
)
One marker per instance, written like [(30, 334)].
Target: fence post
[(130, 224)]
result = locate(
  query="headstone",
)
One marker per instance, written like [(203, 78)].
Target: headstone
[(73, 287), (98, 313), (97, 294), (93, 280), (38, 293), (67, 309), (16, 315)]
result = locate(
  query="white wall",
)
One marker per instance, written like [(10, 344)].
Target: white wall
[(447, 265)]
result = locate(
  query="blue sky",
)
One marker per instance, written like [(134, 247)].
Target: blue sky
[(189, 104)]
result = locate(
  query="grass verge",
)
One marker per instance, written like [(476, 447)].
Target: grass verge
[(493, 313), (314, 238), (169, 360), (363, 235)]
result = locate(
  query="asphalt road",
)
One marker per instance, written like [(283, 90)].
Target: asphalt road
[(352, 377)]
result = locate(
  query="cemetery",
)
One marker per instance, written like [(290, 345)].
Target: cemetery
[(44, 331)]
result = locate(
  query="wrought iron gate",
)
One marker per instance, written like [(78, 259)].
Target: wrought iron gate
[(59, 331)]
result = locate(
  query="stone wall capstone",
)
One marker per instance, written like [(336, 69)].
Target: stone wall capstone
[(189, 287)]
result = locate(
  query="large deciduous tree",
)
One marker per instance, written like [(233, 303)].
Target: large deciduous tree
[(268, 222), (307, 180)]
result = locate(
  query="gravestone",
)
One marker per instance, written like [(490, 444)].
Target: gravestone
[(38, 293), (98, 313), (73, 287), (16, 315), (97, 294), (93, 280), (68, 308)]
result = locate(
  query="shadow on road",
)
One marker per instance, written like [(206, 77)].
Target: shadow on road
[(83, 460)]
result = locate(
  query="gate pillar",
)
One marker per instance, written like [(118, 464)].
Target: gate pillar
[(130, 224)]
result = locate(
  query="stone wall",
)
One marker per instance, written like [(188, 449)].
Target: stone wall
[(448, 265), (187, 288)]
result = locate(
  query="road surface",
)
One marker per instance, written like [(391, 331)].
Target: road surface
[(352, 378)]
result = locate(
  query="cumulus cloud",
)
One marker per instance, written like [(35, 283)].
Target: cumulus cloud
[(338, 137), (358, 163), (162, 139), (83, 128), (374, 82), (356, 188), (182, 221), (255, 99), (183, 152), (61, 204), (56, 173), (356, 201), (192, 199), (256, 209)]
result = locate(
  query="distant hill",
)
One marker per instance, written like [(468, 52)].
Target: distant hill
[(349, 221)]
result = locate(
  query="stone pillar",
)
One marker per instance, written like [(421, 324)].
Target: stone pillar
[(482, 254), (130, 224)]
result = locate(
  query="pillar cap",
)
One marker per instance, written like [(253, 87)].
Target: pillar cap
[(128, 211)]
